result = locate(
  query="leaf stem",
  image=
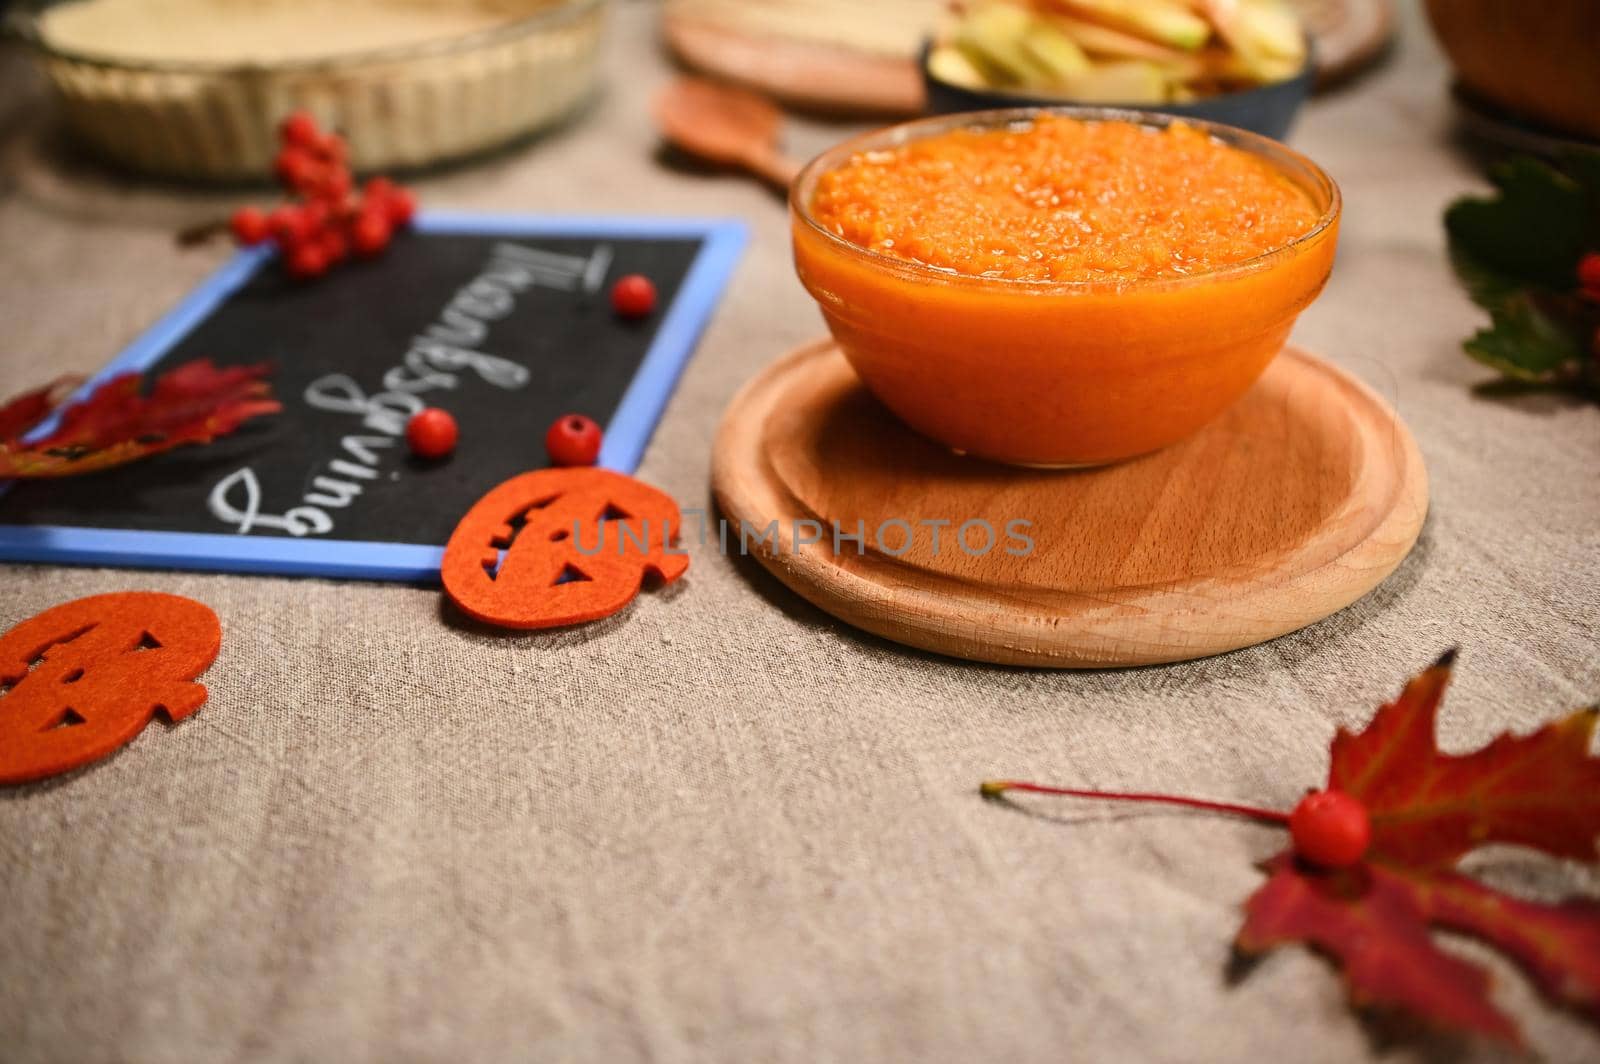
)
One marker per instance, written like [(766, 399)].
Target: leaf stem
[(996, 788)]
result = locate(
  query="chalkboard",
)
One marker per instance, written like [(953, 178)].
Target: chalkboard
[(504, 321)]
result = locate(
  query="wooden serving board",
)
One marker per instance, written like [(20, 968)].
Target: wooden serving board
[(807, 75), (1295, 503), (1348, 35)]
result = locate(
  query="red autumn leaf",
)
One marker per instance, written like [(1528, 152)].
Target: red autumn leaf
[(1428, 809), (194, 403), (1375, 919), (1395, 817), (1558, 946), (27, 410), (1374, 923)]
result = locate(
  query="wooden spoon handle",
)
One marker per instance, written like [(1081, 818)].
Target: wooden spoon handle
[(774, 167)]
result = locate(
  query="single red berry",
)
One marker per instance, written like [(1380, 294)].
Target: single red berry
[(295, 167), (573, 440), (369, 233), (633, 296), (335, 245), (299, 129), (432, 433), (1331, 829), (1589, 271), (1589, 276), (378, 188), (334, 184), (332, 148), (289, 225), (308, 260), (249, 226), (314, 218), (402, 206)]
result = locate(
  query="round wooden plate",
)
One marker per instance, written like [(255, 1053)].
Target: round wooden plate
[(1295, 503), (806, 75), (1348, 35)]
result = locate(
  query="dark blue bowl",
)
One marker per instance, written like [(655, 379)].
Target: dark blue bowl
[(1269, 110)]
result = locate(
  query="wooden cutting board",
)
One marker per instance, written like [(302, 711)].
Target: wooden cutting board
[(829, 75), (802, 74), (847, 58), (1295, 503), (1348, 35)]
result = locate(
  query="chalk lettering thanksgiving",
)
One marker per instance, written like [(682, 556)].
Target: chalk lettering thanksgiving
[(438, 359)]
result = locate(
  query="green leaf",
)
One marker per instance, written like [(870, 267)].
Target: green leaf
[(1486, 287), (1524, 339), (1583, 166), (1525, 343), (1532, 232)]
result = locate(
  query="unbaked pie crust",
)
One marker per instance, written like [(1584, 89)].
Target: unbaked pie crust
[(195, 88)]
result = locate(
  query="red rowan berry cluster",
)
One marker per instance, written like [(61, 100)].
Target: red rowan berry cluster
[(326, 219)]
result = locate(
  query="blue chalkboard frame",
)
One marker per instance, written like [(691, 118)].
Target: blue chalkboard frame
[(626, 436)]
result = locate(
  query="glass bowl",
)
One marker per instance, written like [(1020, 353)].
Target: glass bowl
[(399, 107), (1059, 374)]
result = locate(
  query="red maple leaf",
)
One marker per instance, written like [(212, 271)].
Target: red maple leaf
[(193, 403), (28, 409), (1428, 809)]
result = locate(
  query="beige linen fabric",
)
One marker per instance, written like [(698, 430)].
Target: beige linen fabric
[(721, 826)]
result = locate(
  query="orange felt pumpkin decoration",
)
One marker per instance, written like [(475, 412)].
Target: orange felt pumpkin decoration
[(81, 679), (560, 546)]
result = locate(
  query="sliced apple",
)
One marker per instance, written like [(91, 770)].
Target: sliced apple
[(1055, 51), (992, 35), (1223, 16), (1183, 69), (1117, 50), (1127, 81), (1102, 40), (1166, 22), (950, 64), (1260, 69), (1269, 28)]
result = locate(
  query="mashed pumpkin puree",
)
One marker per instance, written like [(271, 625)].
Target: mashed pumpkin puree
[(910, 248), (1065, 200)]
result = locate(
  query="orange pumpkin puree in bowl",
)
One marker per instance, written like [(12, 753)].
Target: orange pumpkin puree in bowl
[(1065, 287)]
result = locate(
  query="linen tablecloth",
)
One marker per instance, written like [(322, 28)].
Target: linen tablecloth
[(722, 826)]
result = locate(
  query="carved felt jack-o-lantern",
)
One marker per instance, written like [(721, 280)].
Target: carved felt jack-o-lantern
[(561, 546), (83, 678)]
